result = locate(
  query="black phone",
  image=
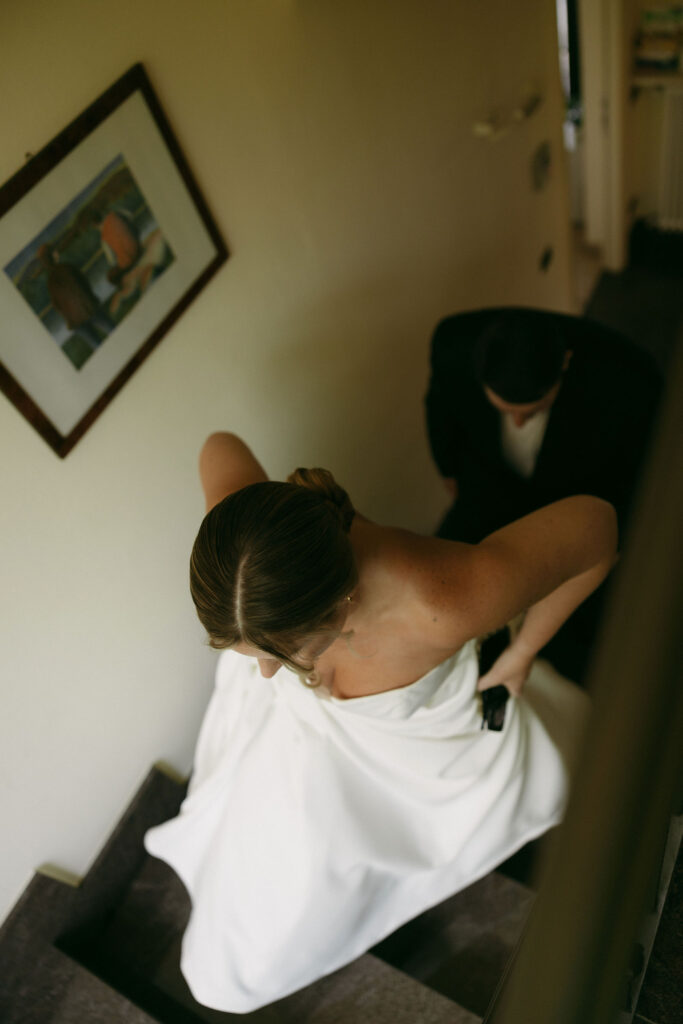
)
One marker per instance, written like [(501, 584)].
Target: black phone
[(494, 699)]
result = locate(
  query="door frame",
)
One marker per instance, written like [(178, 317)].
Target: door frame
[(604, 48)]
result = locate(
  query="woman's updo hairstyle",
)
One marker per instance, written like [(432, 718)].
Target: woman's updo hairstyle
[(322, 482), (272, 563)]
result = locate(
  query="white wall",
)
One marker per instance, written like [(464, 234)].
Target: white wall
[(333, 143)]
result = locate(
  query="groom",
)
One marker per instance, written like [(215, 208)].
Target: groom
[(525, 407)]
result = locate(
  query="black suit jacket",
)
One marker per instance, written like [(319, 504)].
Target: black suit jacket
[(596, 437)]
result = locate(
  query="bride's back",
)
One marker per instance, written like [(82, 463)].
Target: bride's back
[(390, 637)]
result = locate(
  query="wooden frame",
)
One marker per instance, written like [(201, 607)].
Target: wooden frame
[(104, 240)]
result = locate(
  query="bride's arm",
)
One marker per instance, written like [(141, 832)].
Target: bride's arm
[(545, 564), (541, 622), (226, 464)]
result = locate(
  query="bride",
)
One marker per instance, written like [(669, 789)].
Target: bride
[(343, 782)]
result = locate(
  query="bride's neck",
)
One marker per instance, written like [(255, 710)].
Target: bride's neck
[(373, 593)]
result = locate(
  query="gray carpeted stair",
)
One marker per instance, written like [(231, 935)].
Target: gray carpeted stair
[(38, 982), (461, 947), (58, 990), (108, 948)]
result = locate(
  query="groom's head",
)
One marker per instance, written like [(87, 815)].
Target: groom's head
[(519, 363)]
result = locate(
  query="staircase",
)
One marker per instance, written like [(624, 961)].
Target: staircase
[(107, 949)]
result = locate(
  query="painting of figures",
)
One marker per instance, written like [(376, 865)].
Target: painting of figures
[(92, 263), (105, 240)]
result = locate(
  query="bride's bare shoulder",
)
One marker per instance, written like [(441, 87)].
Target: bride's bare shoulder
[(469, 590), (438, 579), (423, 559)]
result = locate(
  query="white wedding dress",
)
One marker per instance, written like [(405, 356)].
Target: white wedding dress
[(316, 826)]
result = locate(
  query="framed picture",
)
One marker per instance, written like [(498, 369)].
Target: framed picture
[(104, 240)]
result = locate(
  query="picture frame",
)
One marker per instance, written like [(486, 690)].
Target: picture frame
[(105, 239)]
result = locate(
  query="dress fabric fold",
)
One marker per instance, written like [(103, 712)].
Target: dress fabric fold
[(315, 826)]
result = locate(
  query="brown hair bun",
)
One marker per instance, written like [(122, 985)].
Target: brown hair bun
[(322, 482)]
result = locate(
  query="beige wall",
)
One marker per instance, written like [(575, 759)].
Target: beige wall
[(646, 118), (333, 142), (646, 150)]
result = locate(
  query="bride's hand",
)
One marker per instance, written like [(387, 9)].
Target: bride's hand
[(510, 669)]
